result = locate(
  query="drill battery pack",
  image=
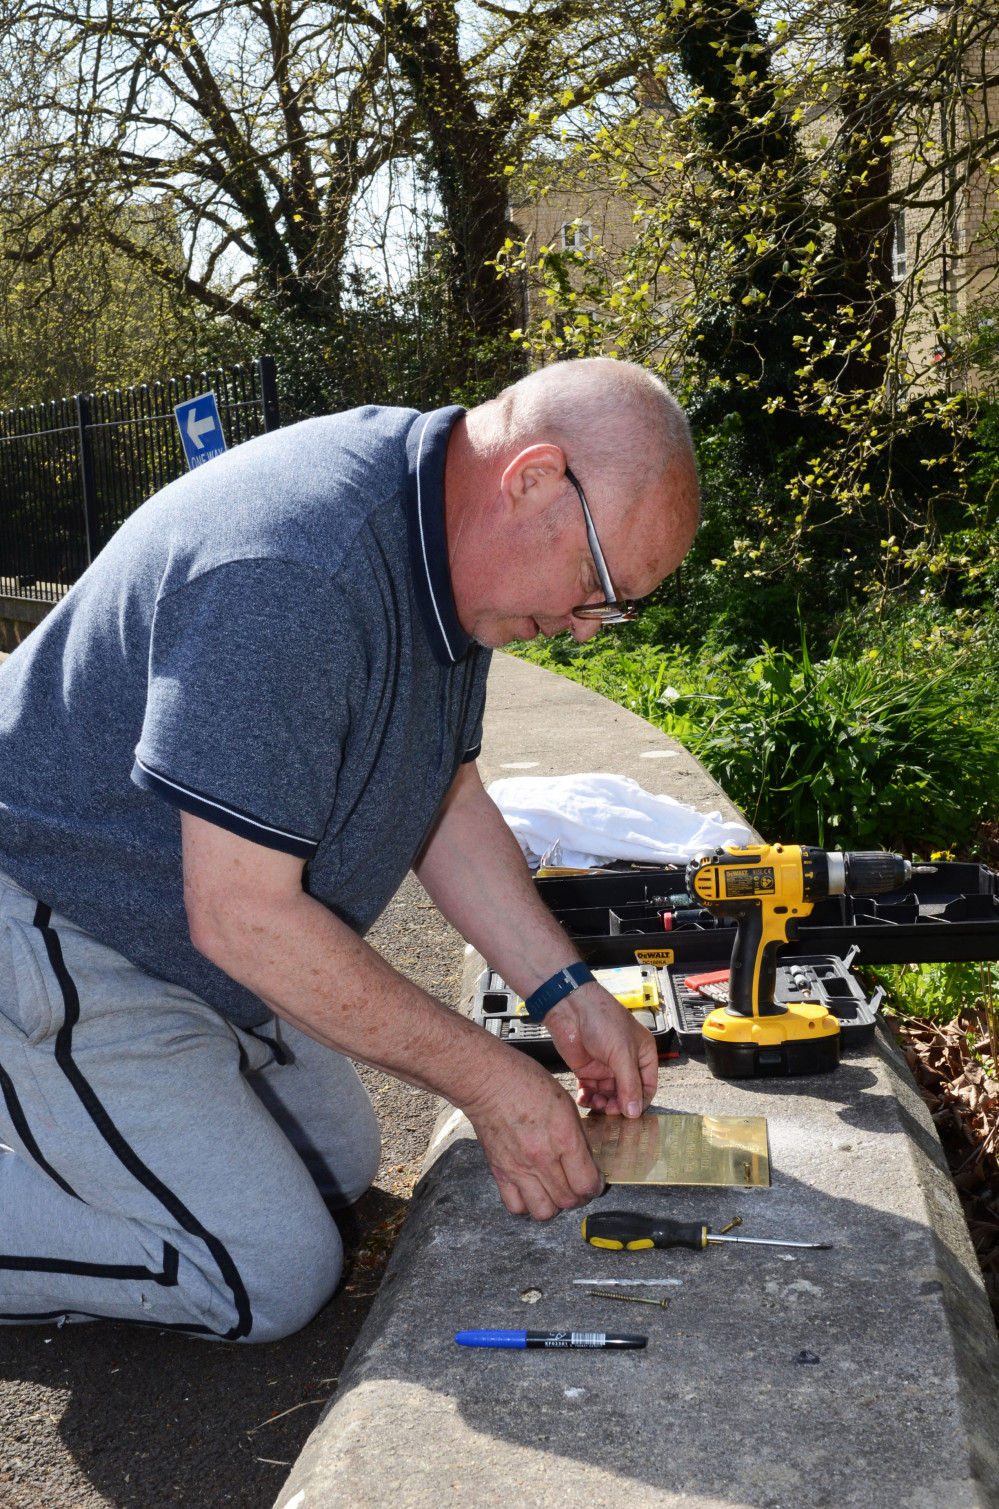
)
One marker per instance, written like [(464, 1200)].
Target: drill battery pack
[(799, 1056)]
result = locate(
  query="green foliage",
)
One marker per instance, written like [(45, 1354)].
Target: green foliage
[(766, 194), (937, 991), (739, 574), (894, 745)]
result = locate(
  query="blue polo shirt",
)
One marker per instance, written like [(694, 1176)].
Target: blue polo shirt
[(269, 643)]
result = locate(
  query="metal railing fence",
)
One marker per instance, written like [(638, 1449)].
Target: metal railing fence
[(72, 470)]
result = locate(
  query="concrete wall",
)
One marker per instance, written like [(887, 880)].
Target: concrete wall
[(18, 616)]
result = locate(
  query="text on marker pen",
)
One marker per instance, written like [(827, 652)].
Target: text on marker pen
[(521, 1340)]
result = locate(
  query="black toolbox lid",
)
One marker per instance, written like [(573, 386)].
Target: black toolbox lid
[(950, 915)]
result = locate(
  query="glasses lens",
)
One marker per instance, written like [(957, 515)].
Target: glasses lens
[(608, 613)]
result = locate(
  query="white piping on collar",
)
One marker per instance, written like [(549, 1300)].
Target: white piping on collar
[(423, 539)]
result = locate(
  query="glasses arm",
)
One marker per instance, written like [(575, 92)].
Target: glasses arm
[(607, 586)]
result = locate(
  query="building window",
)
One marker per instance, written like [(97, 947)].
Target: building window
[(577, 235), (898, 263)]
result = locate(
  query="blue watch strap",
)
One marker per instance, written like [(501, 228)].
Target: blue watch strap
[(554, 990)]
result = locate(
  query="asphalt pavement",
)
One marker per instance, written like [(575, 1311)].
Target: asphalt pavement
[(107, 1416)]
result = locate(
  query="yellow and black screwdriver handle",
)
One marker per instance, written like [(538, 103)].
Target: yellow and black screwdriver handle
[(623, 1229)]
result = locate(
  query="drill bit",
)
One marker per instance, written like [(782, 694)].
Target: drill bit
[(629, 1283)]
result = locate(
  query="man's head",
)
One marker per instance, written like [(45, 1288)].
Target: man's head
[(517, 538)]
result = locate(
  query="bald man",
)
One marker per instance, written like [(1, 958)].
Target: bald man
[(219, 755)]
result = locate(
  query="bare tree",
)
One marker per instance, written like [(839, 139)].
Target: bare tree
[(257, 123), (260, 122), (493, 84)]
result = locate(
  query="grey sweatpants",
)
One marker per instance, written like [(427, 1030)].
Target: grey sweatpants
[(158, 1164)]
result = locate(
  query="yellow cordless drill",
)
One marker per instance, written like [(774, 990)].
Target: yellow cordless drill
[(768, 888)]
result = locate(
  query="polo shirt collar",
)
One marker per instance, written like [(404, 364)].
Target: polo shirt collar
[(426, 448)]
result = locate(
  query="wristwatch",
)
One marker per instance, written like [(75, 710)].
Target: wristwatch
[(561, 984)]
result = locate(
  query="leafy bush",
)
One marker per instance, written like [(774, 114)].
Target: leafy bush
[(881, 747), (937, 991)]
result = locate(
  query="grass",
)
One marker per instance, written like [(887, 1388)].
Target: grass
[(937, 992), (892, 745)]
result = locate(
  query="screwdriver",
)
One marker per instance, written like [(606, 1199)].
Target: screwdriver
[(619, 1229)]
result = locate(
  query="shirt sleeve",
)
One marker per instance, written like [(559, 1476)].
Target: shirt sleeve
[(477, 706), (252, 673)]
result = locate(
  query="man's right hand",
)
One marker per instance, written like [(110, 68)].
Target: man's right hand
[(532, 1137), (249, 914)]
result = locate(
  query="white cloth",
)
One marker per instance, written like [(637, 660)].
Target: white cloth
[(600, 817)]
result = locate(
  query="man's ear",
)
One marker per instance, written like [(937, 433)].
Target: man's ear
[(533, 479)]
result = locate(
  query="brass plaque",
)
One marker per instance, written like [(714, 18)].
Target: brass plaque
[(680, 1149)]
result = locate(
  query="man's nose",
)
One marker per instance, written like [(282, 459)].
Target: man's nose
[(584, 629)]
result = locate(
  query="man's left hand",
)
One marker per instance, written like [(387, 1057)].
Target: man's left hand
[(613, 1057)]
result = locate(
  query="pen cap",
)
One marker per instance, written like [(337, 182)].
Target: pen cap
[(513, 1339)]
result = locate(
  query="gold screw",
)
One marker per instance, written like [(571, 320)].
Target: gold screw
[(628, 1299), (735, 1221)]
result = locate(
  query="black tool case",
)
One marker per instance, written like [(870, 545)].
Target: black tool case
[(822, 978), (633, 916), (950, 915), (496, 1009)]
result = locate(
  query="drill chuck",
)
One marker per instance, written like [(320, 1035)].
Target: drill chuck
[(857, 872), (866, 872)]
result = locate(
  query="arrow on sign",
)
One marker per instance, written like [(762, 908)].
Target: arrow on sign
[(198, 427)]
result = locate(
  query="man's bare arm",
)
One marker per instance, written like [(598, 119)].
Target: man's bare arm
[(248, 914), (473, 868)]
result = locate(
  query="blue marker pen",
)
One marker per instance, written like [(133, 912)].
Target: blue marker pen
[(519, 1340)]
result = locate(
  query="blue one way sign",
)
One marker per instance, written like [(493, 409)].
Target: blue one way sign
[(200, 429)]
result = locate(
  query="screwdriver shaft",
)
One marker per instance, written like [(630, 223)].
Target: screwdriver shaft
[(768, 1242)]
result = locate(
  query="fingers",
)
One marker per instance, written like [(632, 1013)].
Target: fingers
[(614, 1057), (535, 1200), (629, 1084), (509, 1193), (541, 1162), (581, 1173), (601, 1089), (595, 1091), (648, 1062), (544, 1195)]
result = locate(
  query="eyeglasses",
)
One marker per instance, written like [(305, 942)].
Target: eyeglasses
[(612, 610)]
